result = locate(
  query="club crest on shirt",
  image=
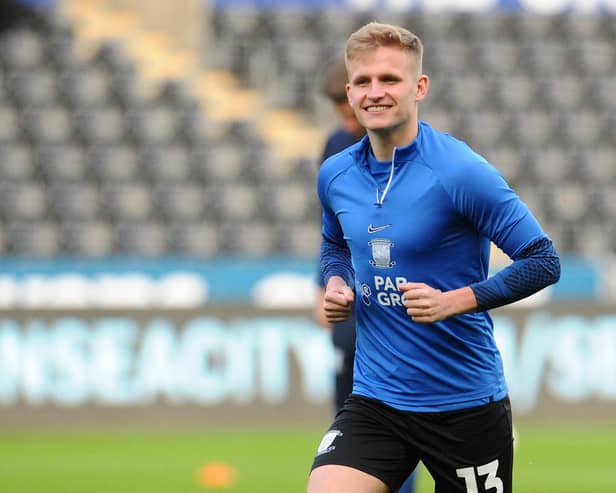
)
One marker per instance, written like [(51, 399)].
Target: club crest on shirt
[(381, 253)]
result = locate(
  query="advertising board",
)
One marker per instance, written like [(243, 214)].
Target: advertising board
[(245, 364)]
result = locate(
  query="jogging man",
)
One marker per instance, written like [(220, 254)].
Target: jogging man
[(408, 217)]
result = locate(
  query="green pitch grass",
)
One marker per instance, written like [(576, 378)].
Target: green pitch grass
[(549, 459)]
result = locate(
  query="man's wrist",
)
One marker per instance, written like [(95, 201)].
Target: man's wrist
[(460, 301)]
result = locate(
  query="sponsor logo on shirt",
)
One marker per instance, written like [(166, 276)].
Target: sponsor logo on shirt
[(375, 229)]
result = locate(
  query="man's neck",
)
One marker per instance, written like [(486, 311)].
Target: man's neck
[(383, 143)]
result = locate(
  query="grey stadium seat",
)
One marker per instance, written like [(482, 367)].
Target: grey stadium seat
[(47, 125), (35, 86), (180, 201), (23, 201), (87, 86), (113, 164), (22, 48), (60, 163), (199, 238), (165, 163), (90, 238), (129, 201), (100, 125), (16, 163), (144, 238), (40, 238), (74, 202), (10, 130)]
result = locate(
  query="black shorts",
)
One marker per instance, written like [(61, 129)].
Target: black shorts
[(469, 450)]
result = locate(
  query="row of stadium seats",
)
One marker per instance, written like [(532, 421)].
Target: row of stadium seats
[(91, 166), (151, 238), (534, 94), (283, 51)]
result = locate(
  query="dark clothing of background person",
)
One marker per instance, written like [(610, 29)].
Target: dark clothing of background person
[(343, 333)]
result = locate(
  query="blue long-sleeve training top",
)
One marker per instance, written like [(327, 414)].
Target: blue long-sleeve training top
[(427, 216)]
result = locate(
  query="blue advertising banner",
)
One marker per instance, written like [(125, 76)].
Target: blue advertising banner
[(559, 362), (173, 282)]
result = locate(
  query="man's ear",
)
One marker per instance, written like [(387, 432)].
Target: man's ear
[(422, 87), (348, 92)]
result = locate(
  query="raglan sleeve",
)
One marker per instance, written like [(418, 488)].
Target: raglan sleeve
[(335, 257), (485, 199)]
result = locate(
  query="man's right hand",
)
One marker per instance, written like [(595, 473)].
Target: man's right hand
[(338, 300)]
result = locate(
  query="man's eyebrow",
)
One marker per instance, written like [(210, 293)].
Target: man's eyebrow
[(359, 77)]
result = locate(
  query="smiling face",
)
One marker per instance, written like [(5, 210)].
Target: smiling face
[(384, 88)]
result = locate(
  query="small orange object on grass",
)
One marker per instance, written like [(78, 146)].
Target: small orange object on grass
[(216, 475)]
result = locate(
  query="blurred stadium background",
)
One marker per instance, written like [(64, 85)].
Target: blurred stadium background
[(159, 230)]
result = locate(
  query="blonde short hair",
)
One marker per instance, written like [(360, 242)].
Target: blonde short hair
[(374, 34)]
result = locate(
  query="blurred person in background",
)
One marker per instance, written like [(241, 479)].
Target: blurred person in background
[(408, 216), (348, 132), (345, 134)]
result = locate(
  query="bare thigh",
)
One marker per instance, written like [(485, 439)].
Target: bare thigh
[(343, 479)]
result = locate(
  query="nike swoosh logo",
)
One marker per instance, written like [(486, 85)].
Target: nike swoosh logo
[(376, 229)]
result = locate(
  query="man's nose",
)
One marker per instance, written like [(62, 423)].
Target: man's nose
[(375, 90)]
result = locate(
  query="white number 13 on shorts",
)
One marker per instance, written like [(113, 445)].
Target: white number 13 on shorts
[(470, 478)]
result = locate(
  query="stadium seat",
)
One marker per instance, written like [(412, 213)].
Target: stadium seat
[(238, 201), (533, 127), (247, 237), (85, 87), (49, 125), (180, 201), (22, 48), (596, 165), (301, 239), (22, 201), (16, 163), (195, 238), (602, 92), (220, 162), (112, 164), (10, 130), (510, 161), (164, 163), (144, 238), (34, 86), (594, 56), (59, 163), (151, 124), (550, 164), (562, 92), (581, 127), (481, 128), (103, 124), (548, 58), (92, 238), (34, 239), (289, 201), (74, 202), (501, 57), (126, 201), (568, 202), (514, 92)]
